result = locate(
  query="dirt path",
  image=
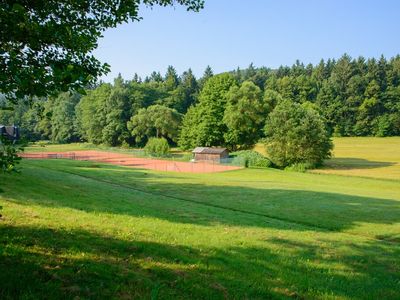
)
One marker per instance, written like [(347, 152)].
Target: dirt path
[(134, 162)]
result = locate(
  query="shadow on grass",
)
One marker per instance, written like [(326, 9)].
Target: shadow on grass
[(38, 263), (139, 193), (350, 163)]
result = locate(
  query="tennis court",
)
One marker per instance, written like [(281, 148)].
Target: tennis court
[(134, 162)]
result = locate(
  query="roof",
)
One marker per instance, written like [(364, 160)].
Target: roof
[(9, 131), (208, 150)]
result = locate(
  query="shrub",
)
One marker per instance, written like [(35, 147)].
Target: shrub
[(300, 167), (250, 158), (42, 143), (125, 145), (157, 147), (296, 134)]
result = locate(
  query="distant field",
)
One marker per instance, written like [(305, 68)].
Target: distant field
[(362, 156), (365, 156)]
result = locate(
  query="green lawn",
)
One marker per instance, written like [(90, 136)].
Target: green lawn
[(365, 156), (375, 157), (73, 229)]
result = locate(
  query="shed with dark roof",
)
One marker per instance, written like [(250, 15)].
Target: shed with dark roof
[(210, 154)]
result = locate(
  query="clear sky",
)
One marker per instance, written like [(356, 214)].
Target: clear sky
[(232, 33)]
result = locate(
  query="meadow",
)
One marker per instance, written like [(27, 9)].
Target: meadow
[(373, 157), (365, 156), (75, 229)]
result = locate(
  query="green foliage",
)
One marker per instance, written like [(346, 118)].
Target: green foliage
[(206, 126), (184, 93), (155, 121), (295, 134), (53, 42), (91, 114), (62, 124), (208, 73), (117, 112), (271, 99), (250, 158), (355, 97), (300, 167), (244, 116), (157, 147), (190, 136), (9, 158)]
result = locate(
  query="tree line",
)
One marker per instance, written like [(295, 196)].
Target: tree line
[(354, 97)]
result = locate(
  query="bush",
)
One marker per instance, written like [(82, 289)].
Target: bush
[(300, 167), (157, 147), (296, 134), (250, 158), (125, 145)]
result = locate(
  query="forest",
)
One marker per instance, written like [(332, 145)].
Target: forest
[(354, 96)]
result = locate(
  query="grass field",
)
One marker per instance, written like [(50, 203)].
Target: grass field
[(365, 156), (74, 229), (362, 156)]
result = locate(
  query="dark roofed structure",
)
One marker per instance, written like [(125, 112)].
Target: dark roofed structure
[(210, 153), (10, 132)]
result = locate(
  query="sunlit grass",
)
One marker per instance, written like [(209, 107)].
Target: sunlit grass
[(361, 156), (71, 230), (365, 156)]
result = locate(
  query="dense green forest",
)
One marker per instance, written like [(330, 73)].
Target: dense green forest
[(356, 97)]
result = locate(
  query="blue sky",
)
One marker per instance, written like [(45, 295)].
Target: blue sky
[(232, 33)]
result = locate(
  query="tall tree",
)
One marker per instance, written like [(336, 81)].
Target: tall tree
[(63, 119), (208, 73), (117, 110), (91, 113), (209, 128), (185, 94), (244, 116), (295, 134), (171, 79), (155, 121)]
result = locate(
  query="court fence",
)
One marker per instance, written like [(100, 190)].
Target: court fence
[(138, 159)]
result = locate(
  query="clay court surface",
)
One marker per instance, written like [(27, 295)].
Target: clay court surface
[(134, 162)]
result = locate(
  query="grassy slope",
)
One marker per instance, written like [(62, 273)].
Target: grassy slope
[(95, 231)]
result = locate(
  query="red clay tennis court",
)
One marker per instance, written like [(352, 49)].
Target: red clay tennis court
[(134, 162)]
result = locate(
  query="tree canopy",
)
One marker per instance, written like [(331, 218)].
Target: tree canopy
[(204, 125), (296, 134), (244, 115), (356, 97), (155, 121), (46, 45)]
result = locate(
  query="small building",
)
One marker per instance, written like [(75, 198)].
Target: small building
[(210, 154)]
